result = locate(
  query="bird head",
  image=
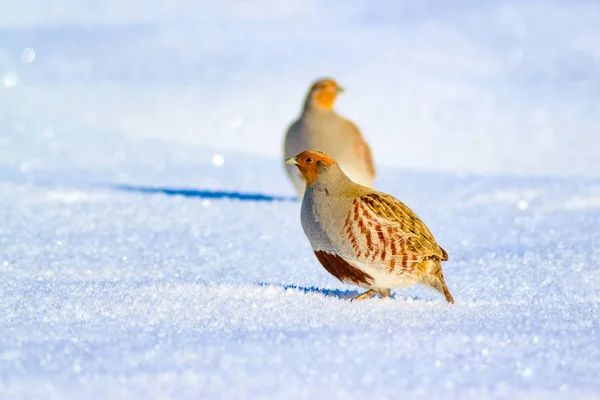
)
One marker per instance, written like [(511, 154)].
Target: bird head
[(311, 164), (322, 94)]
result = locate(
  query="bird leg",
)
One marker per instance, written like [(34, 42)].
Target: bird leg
[(366, 295), (372, 292)]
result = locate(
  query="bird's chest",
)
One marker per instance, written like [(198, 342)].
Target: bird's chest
[(325, 127), (321, 221)]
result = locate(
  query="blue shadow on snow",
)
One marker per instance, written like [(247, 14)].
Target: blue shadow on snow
[(347, 294), (203, 194), (341, 294)]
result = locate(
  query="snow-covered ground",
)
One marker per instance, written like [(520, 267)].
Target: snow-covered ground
[(150, 246)]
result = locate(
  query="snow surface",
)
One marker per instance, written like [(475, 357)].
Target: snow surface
[(150, 246)]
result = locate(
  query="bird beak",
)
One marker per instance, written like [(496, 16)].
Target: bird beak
[(291, 160), (340, 89)]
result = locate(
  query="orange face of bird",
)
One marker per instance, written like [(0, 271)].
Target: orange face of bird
[(324, 92), (310, 163)]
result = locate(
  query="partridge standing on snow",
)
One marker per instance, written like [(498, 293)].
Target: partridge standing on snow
[(363, 236), (320, 127)]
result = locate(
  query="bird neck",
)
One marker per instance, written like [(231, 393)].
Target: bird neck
[(320, 103), (332, 181)]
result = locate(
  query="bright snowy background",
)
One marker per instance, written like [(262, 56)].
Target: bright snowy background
[(149, 247)]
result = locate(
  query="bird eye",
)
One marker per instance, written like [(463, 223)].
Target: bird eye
[(308, 160)]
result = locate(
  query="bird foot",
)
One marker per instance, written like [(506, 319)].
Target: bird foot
[(366, 295), (372, 292)]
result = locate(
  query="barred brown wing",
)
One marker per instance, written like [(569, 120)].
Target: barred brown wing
[(380, 226)]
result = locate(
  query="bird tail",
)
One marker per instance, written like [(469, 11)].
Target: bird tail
[(435, 280), (444, 256)]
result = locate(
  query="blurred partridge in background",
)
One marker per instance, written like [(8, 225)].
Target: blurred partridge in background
[(362, 236), (320, 127)]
